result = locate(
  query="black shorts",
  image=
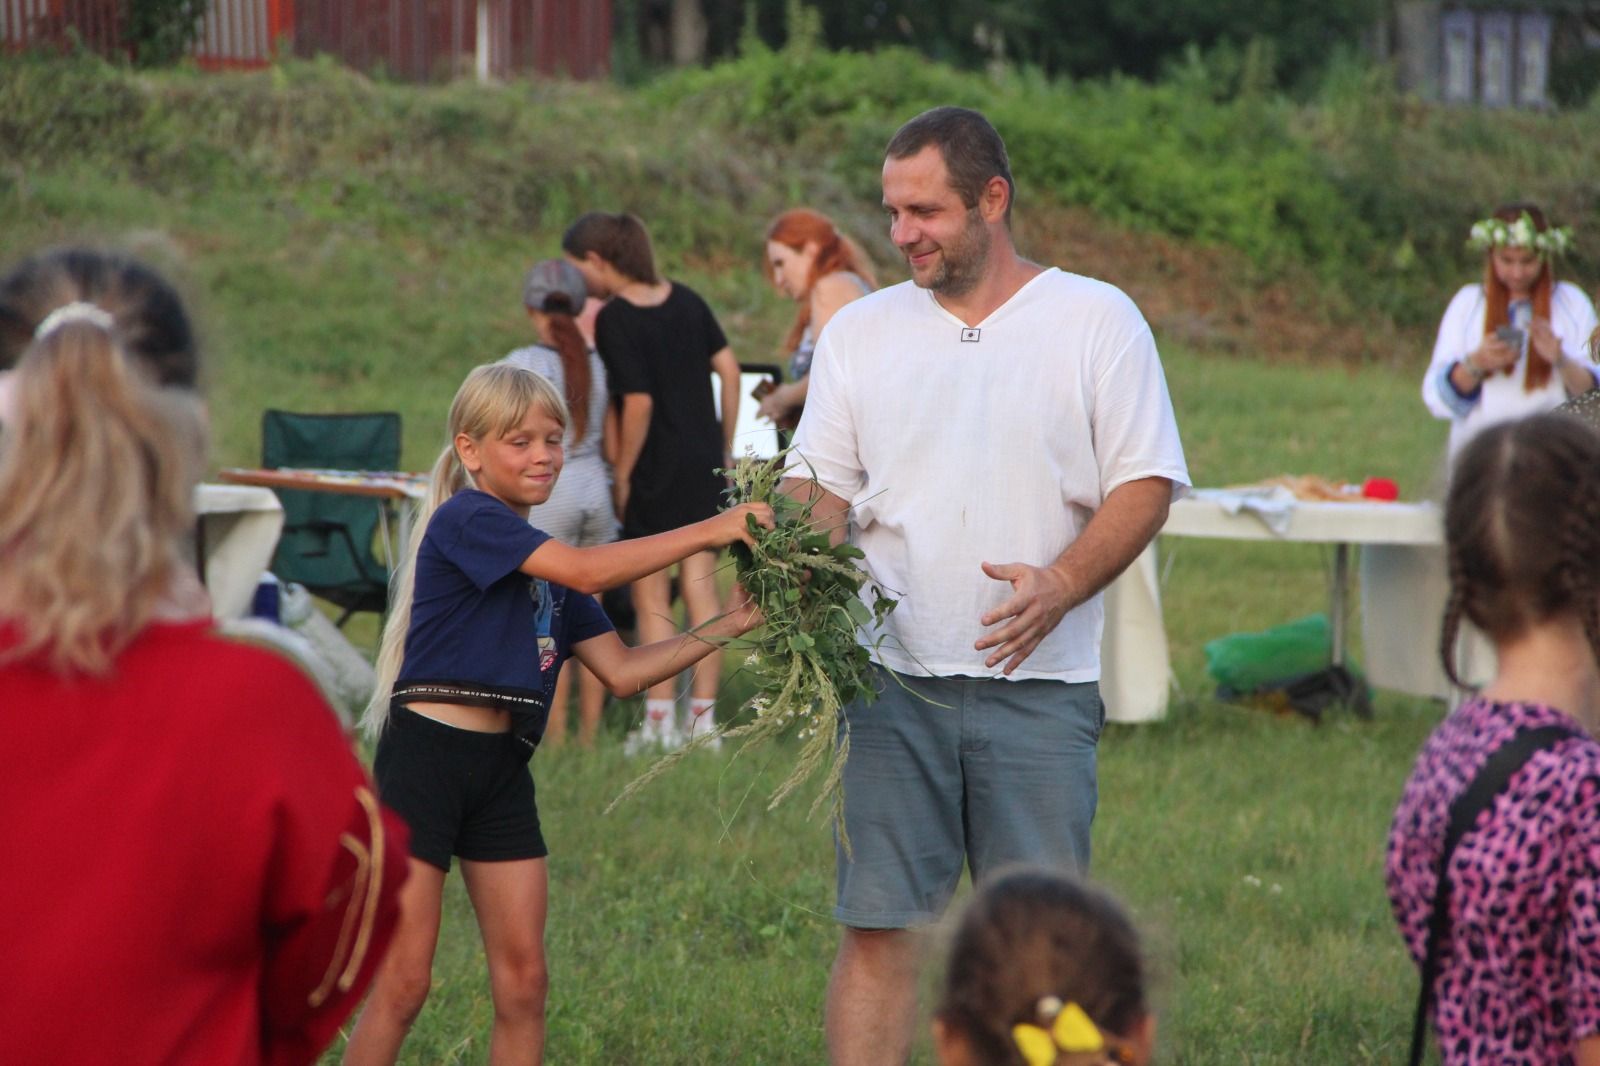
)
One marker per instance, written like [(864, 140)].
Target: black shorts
[(460, 792)]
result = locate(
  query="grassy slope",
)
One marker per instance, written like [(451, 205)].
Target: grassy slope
[(374, 273)]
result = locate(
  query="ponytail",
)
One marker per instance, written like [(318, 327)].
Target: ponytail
[(446, 478), (575, 373), (1031, 942), (92, 443)]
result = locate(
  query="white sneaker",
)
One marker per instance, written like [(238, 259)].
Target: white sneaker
[(653, 734), (671, 738), (637, 743)]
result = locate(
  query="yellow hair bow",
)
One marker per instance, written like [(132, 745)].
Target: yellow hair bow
[(1071, 1030)]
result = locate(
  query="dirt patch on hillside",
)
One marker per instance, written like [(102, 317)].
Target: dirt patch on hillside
[(1213, 299)]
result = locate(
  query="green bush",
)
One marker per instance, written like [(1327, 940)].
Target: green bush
[(1370, 191), (1169, 157)]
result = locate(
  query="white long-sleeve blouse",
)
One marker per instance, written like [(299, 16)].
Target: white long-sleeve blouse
[(1501, 397)]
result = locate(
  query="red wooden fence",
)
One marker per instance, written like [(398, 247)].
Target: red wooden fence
[(418, 40), (24, 23)]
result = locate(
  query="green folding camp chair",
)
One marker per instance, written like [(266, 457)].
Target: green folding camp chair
[(327, 540)]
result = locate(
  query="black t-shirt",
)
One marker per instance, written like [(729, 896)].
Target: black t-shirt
[(665, 351)]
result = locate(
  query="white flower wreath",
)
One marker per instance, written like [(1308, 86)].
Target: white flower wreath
[(1498, 233)]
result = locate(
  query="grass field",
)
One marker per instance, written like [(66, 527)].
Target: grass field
[(691, 926)]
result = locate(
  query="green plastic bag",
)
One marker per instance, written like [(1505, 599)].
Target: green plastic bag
[(1243, 662)]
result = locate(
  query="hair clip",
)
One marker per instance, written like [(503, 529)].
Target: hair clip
[(76, 311), (1070, 1030)]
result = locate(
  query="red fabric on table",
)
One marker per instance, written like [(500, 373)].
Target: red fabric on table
[(1380, 488), (197, 870)]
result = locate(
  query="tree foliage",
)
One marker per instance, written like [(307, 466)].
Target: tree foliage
[(161, 31), (1073, 38)]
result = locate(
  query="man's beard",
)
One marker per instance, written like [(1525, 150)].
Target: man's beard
[(962, 264)]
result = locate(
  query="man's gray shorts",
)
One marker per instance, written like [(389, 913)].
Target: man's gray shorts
[(1003, 772)]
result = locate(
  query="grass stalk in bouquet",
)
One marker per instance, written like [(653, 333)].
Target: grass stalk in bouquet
[(806, 660)]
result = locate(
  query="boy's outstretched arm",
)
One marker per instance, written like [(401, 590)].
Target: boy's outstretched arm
[(629, 671), (605, 566)]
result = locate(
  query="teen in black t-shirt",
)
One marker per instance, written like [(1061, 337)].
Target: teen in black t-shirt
[(665, 353), (660, 343)]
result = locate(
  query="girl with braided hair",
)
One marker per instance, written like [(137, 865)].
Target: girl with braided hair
[(1518, 969), (1044, 970)]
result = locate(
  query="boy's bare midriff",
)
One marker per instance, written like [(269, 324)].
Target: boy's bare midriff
[(465, 716)]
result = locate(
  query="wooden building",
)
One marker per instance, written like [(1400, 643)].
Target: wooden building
[(418, 40), (1491, 53)]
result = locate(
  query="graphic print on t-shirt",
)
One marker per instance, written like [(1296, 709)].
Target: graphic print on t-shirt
[(543, 610)]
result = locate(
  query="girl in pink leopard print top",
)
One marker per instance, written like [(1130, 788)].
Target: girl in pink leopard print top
[(1519, 975)]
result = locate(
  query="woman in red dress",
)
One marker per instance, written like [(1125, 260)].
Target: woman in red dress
[(199, 871)]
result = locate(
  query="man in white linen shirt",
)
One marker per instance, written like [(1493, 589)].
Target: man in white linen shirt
[(998, 438)]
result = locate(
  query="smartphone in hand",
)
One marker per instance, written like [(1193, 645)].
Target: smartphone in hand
[(1511, 337)]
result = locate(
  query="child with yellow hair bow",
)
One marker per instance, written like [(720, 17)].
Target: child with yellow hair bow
[(1044, 970)]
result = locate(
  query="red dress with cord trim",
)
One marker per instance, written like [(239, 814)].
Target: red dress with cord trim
[(196, 867)]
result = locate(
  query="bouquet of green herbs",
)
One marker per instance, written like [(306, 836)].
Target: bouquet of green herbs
[(806, 659)]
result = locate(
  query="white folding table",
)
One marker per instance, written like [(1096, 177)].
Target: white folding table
[(1403, 588)]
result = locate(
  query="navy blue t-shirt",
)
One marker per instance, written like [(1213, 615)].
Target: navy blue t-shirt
[(482, 632)]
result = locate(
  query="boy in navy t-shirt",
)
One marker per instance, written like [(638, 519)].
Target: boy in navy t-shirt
[(482, 618)]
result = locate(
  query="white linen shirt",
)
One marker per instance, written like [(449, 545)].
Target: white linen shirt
[(953, 452), (1503, 398)]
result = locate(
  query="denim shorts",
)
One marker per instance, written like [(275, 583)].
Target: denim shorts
[(946, 770), (460, 792)]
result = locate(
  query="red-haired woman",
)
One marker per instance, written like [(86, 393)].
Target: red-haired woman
[(821, 269), (1514, 345)]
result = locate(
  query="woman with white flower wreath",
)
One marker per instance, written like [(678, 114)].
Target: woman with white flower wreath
[(1515, 345)]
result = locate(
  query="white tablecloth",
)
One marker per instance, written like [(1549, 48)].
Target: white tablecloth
[(1403, 588), (238, 528), (1357, 522)]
